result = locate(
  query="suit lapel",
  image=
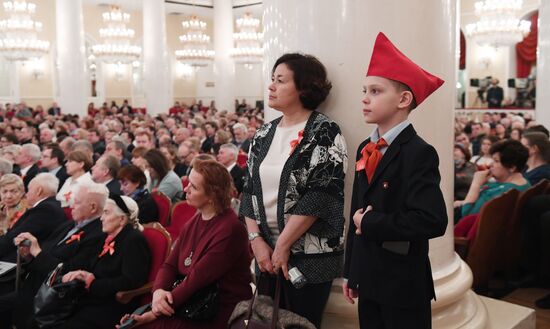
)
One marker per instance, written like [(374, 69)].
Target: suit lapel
[(391, 153)]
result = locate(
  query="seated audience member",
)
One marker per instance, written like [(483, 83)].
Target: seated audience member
[(12, 201), (78, 166), (484, 159), (241, 137), (227, 156), (27, 160), (509, 160), (105, 172), (66, 145), (117, 149), (52, 161), (186, 154), (42, 217), (74, 244), (162, 178), (516, 134), (143, 139), (6, 167), (132, 183), (220, 137), (122, 264), (464, 171), (211, 249), (539, 156), (170, 151)]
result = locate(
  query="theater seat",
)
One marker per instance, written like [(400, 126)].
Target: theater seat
[(182, 212), (164, 204), (159, 242)]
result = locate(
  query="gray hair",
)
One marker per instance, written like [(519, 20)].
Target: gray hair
[(33, 151), (231, 148), (132, 207), (239, 125), (12, 179), (48, 182), (96, 190), (81, 145), (6, 167), (13, 149)]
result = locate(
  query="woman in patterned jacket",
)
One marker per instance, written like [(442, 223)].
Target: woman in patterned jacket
[(293, 198)]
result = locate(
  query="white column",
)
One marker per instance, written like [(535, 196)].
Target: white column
[(71, 56), (224, 68), (341, 34), (543, 65), (156, 66), (15, 89)]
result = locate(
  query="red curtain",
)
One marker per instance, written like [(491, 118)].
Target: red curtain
[(462, 61), (527, 49)]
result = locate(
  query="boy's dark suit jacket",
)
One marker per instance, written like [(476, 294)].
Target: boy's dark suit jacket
[(74, 255), (407, 206), (40, 221)]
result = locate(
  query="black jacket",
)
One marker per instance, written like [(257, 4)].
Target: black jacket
[(31, 173), (148, 209), (408, 207), (40, 221), (114, 187), (237, 173)]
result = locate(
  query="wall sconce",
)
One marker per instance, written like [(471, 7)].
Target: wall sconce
[(36, 67), (485, 56)]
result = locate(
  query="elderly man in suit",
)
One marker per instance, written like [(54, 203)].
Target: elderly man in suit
[(227, 156), (27, 161), (74, 244)]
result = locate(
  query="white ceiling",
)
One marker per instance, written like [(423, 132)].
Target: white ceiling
[(186, 7)]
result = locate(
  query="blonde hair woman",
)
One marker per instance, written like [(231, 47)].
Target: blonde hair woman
[(12, 201)]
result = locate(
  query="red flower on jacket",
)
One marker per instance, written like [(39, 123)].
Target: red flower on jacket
[(74, 237), (295, 142)]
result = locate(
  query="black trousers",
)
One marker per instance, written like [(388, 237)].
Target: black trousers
[(308, 301), (373, 315)]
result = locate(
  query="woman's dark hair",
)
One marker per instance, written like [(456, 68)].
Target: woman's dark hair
[(158, 162), (464, 150), (512, 153), (540, 140), (310, 78), (133, 174), (12, 138)]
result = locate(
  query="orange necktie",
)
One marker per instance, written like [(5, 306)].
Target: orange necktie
[(371, 156)]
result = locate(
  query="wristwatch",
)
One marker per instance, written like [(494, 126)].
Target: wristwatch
[(253, 235)]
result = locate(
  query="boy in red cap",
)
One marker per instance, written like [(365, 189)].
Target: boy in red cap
[(397, 205)]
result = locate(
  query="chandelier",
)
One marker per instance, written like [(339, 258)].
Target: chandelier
[(18, 33), (248, 42), (498, 24), (116, 46), (196, 44)]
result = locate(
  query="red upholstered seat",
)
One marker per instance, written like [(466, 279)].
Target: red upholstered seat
[(68, 212), (164, 204), (241, 160), (160, 243), (184, 181), (182, 212)]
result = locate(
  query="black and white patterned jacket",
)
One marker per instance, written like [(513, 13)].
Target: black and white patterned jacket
[(312, 184)]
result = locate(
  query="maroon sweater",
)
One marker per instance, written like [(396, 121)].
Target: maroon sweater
[(221, 255)]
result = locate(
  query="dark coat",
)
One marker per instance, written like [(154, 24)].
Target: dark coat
[(126, 269), (408, 208), (31, 173), (237, 173), (148, 209), (74, 255), (114, 187), (40, 221)]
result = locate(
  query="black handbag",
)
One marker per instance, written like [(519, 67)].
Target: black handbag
[(55, 301), (203, 305)]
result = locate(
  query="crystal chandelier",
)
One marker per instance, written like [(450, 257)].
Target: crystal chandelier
[(18, 34), (248, 42), (117, 47), (498, 24), (196, 44)]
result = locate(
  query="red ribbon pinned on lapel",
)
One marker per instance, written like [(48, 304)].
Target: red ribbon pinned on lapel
[(295, 142), (108, 247), (74, 237), (67, 196), (371, 156)]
